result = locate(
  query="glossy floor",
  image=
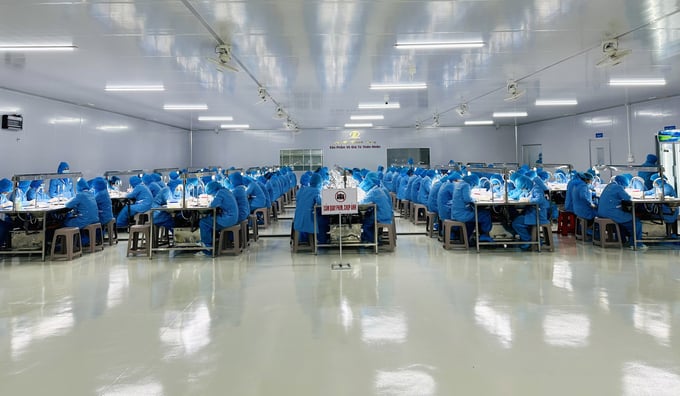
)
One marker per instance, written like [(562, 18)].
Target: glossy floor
[(419, 321)]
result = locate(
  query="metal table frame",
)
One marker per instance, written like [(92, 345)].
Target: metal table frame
[(477, 204), (38, 213), (672, 202), (202, 209), (361, 207)]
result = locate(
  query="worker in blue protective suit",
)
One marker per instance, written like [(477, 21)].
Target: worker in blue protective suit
[(668, 214), (574, 181), (114, 183), (163, 218), (36, 191), (582, 198), (142, 198), (425, 187), (462, 209), (158, 178), (650, 161), (5, 222), (445, 195), (383, 206), (611, 207), (148, 180), (304, 179), (241, 194), (303, 220), (103, 200), (256, 196), (176, 190), (83, 207), (227, 214), (18, 195), (537, 195), (62, 187), (402, 189)]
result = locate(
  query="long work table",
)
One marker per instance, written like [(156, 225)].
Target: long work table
[(503, 203), (668, 201), (35, 219)]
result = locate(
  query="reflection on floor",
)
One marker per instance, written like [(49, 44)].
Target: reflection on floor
[(419, 321)]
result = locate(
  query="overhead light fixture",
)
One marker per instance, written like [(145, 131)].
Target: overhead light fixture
[(479, 122), (112, 127), (31, 48), (135, 88), (634, 82), (378, 106), (507, 114), (185, 107), (234, 126), (66, 120), (366, 117), (556, 102), (359, 125), (389, 87), (440, 45), (599, 121), (216, 118), (9, 109)]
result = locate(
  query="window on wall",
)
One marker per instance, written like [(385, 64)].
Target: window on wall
[(400, 156), (302, 159)]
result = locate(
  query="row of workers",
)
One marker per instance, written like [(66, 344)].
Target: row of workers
[(581, 199)]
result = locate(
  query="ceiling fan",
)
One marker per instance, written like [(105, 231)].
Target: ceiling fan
[(514, 92), (612, 54), (223, 60)]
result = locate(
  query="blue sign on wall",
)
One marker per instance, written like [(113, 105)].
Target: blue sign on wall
[(599, 135)]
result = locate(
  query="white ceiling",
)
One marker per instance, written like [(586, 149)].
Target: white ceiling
[(317, 58)]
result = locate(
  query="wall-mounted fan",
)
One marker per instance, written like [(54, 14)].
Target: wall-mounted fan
[(223, 60)]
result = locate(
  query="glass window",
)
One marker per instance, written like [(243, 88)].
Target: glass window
[(302, 159)]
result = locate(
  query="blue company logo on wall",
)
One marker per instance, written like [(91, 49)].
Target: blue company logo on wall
[(669, 135), (599, 135)]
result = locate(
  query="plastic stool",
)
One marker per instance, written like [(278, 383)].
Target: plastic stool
[(264, 212), (253, 233), (459, 243), (161, 236), (299, 245), (96, 235), (244, 234), (70, 243), (387, 234), (606, 233), (431, 218), (581, 232), (546, 230), (395, 201), (142, 218), (404, 208), (112, 232), (225, 245), (566, 223), (139, 241), (416, 210)]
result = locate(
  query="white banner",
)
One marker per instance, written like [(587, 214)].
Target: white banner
[(339, 201)]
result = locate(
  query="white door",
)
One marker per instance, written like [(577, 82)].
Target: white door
[(600, 152)]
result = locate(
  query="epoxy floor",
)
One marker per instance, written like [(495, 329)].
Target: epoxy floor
[(419, 321)]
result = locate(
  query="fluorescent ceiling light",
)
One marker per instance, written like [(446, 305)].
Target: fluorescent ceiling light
[(389, 87), (651, 113), (633, 82), (359, 125), (30, 48), (135, 88), (66, 120), (185, 107), (599, 121), (440, 45), (510, 114), (234, 126), (376, 106), (216, 118), (366, 117), (9, 109), (112, 127), (556, 102), (480, 122)]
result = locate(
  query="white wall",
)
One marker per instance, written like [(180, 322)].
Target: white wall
[(255, 148), (41, 145), (566, 140)]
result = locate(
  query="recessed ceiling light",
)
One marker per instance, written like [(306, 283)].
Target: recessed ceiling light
[(216, 118), (66, 120), (359, 125), (480, 122), (440, 45), (135, 88), (556, 102), (366, 117), (389, 87), (112, 127), (185, 107), (377, 106), (502, 114), (632, 82), (9, 109), (234, 126), (30, 48)]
